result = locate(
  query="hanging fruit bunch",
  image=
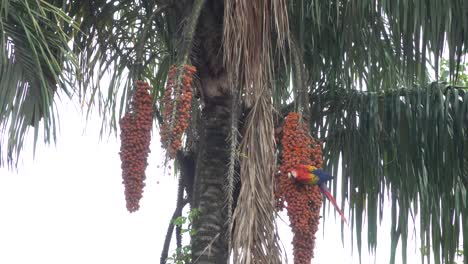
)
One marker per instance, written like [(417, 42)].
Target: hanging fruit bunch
[(303, 202), (176, 102), (135, 136)]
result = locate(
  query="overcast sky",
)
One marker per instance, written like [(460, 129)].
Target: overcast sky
[(67, 206)]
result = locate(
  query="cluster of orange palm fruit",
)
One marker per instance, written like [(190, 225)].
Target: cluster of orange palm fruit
[(135, 136), (303, 202), (176, 101)]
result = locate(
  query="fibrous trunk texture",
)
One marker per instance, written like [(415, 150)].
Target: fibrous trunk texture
[(209, 245)]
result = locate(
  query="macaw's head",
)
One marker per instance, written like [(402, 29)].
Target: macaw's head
[(300, 171)]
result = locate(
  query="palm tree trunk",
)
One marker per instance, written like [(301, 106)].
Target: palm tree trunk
[(209, 244)]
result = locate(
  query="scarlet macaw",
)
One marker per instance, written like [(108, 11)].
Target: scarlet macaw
[(308, 174)]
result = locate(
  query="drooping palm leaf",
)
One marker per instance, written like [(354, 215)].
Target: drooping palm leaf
[(34, 60), (376, 47), (122, 41), (411, 143), (247, 57)]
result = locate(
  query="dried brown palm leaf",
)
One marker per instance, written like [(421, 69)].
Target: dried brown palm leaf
[(247, 39), (247, 57), (254, 239)]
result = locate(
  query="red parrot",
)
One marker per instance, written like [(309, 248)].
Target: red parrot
[(308, 174)]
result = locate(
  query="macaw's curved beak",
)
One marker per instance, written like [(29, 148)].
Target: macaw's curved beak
[(292, 174)]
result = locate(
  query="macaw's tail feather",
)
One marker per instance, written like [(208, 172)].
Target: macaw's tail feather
[(330, 197)]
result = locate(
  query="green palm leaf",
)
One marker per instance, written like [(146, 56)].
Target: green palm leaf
[(34, 56), (411, 143), (368, 65)]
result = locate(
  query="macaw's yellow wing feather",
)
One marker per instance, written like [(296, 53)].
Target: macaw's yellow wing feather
[(313, 179)]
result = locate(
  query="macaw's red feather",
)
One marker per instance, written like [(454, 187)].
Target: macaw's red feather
[(330, 197), (304, 176)]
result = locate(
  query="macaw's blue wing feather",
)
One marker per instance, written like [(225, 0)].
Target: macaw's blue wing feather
[(330, 197), (323, 176)]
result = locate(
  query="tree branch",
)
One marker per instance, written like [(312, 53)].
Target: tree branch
[(189, 31), (170, 230), (187, 171)]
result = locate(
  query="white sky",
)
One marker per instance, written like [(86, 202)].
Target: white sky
[(67, 206)]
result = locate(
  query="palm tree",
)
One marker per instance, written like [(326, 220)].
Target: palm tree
[(358, 72)]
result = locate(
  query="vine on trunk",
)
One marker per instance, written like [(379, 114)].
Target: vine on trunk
[(303, 202)]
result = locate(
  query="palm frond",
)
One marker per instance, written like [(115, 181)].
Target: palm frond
[(123, 41), (255, 205), (355, 54), (411, 143), (247, 47), (376, 44), (34, 60)]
